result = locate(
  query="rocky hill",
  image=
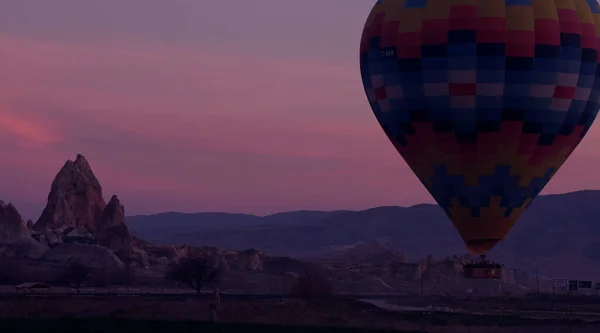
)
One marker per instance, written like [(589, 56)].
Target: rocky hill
[(75, 199), (77, 224), (366, 252), (558, 234), (15, 240)]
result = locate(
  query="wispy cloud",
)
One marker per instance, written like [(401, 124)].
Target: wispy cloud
[(216, 131), (259, 113), (25, 133)]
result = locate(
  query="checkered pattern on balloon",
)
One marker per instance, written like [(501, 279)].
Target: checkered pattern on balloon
[(484, 99)]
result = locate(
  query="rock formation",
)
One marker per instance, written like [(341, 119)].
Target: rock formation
[(77, 215), (79, 232), (15, 241), (181, 251), (51, 237), (77, 224), (162, 254), (75, 198), (11, 222), (79, 235), (89, 254), (370, 252), (250, 260), (208, 252), (112, 232)]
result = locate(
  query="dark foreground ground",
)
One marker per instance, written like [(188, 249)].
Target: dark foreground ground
[(131, 314), (106, 325), (122, 325)]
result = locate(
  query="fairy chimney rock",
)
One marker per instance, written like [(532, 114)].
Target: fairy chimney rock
[(75, 198), (11, 223), (111, 229), (113, 214)]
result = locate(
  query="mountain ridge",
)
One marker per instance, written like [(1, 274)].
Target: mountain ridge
[(558, 233), (334, 211)]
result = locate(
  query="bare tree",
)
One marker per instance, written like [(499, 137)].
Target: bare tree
[(124, 276), (127, 272), (311, 284), (109, 277), (11, 272), (76, 274), (100, 278), (197, 272)]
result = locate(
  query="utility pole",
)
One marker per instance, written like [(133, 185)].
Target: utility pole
[(283, 279), (421, 269), (128, 263), (537, 281)]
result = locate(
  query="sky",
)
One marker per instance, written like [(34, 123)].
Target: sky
[(186, 105)]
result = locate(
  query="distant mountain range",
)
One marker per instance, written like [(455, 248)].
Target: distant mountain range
[(559, 234)]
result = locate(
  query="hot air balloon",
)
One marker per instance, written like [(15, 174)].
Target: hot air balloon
[(484, 99)]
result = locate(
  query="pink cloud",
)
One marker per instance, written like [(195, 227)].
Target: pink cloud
[(176, 127), (25, 133)]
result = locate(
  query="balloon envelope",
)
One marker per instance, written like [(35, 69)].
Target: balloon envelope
[(484, 99)]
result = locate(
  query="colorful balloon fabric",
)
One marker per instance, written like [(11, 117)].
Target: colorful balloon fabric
[(484, 99)]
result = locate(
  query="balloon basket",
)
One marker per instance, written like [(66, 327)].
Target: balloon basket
[(483, 269)]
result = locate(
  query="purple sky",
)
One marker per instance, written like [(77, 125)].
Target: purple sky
[(241, 106)]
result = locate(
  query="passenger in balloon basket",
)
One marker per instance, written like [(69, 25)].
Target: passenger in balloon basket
[(482, 268)]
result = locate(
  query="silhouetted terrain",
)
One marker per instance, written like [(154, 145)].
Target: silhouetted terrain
[(559, 234), (379, 250), (333, 315), (82, 240), (81, 254), (217, 221)]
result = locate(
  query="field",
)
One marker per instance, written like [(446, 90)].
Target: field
[(119, 325), (182, 314)]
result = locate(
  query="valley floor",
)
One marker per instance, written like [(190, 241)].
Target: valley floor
[(70, 314), (129, 326)]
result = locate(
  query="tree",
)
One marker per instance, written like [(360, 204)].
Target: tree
[(312, 285), (124, 276), (103, 277), (197, 272), (77, 274), (11, 272), (128, 261)]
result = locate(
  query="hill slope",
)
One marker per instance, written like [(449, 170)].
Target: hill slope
[(559, 234)]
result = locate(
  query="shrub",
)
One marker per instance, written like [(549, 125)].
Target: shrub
[(10, 272), (312, 285), (196, 273)]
